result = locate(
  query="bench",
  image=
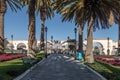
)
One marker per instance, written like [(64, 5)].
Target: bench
[(29, 60)]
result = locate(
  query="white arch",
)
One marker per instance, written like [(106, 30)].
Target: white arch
[(10, 46), (21, 46), (100, 47)]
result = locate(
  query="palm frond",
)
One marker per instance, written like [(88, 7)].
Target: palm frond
[(14, 4), (81, 11), (47, 5)]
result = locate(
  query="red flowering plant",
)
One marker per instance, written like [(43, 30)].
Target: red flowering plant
[(108, 59), (6, 57)]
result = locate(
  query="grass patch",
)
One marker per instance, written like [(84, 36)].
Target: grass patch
[(108, 71), (40, 55), (13, 68)]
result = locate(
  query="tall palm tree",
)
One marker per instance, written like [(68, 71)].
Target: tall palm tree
[(93, 13), (31, 27), (44, 9), (68, 12), (14, 5), (35, 5)]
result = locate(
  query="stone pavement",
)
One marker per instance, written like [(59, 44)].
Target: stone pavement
[(60, 67)]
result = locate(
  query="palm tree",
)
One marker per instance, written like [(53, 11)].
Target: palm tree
[(31, 27), (35, 5), (14, 5), (93, 13), (68, 13), (44, 9)]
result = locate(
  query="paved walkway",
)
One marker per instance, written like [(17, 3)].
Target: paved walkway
[(60, 67)]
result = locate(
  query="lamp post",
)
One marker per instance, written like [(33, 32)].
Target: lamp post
[(12, 43), (46, 41), (68, 43), (108, 50), (75, 31)]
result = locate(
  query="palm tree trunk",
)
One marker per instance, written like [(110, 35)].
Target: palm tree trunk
[(31, 29), (42, 15), (1, 32), (2, 13), (42, 45), (89, 54), (80, 39)]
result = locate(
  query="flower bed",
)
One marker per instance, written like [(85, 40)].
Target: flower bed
[(6, 57), (108, 59)]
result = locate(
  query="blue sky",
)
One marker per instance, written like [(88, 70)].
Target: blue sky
[(16, 24)]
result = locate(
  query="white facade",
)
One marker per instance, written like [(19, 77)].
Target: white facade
[(102, 42)]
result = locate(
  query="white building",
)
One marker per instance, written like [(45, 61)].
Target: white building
[(102, 44)]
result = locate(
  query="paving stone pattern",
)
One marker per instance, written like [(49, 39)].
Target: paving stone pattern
[(60, 67)]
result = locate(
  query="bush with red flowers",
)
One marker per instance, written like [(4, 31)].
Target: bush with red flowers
[(6, 57), (108, 59)]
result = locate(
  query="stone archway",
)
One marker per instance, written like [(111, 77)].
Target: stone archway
[(98, 48), (9, 46), (21, 46)]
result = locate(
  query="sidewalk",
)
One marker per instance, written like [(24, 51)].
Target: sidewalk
[(60, 67)]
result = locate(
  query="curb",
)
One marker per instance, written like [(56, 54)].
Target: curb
[(27, 71), (103, 78)]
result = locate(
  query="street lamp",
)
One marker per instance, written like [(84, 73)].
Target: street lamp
[(108, 50), (68, 43), (75, 31), (46, 41), (68, 38)]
